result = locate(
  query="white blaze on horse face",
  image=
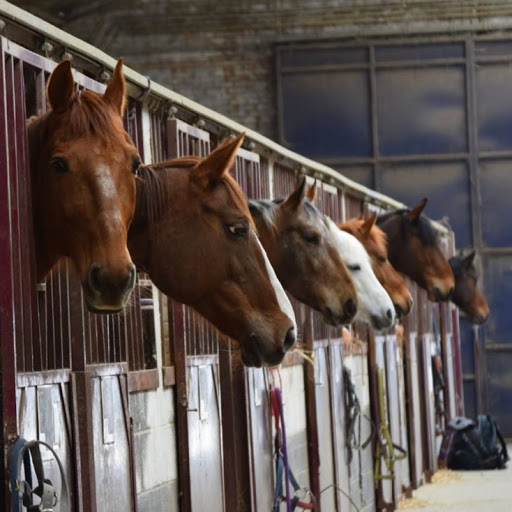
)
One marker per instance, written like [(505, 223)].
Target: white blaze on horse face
[(375, 305), (282, 298)]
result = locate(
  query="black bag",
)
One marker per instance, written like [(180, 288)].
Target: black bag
[(468, 446)]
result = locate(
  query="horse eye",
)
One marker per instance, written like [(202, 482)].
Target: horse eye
[(238, 229), (60, 165), (382, 259), (136, 166), (312, 238), (354, 268)]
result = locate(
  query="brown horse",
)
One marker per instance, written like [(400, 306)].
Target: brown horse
[(413, 250), (467, 295), (375, 242), (83, 168), (193, 233), (299, 245)]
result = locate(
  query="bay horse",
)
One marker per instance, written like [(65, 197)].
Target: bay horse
[(375, 242), (83, 169), (413, 249), (193, 234), (467, 294), (296, 238), (375, 305)]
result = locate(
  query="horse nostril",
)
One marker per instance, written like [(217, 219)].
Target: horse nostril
[(450, 293), (131, 279), (289, 340), (350, 308), (398, 310), (389, 314), (95, 278)]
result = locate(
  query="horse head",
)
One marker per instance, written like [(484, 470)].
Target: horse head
[(375, 305), (413, 249), (467, 294), (193, 233), (306, 260), (84, 168)]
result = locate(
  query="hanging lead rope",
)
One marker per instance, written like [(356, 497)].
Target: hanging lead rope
[(385, 448), (283, 471)]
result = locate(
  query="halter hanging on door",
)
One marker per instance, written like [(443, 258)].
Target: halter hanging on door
[(282, 464)]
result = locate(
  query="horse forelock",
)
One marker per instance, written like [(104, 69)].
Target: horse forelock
[(379, 238), (423, 226), (88, 113)]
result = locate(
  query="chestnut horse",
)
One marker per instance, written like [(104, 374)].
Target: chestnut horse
[(375, 242), (83, 168), (193, 234), (467, 295), (298, 243), (413, 250)]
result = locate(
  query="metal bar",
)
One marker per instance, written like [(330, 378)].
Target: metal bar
[(8, 412)]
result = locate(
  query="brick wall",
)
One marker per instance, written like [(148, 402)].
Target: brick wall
[(221, 54)]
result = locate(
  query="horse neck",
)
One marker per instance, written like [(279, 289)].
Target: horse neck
[(268, 237), (154, 197), (139, 231), (46, 255)]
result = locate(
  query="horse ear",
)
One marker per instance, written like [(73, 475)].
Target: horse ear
[(311, 193), (115, 93), (368, 224), (295, 199), (219, 161), (415, 212), (61, 86), (360, 216), (469, 258)]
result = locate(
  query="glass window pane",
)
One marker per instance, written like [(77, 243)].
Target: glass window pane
[(321, 56), (419, 52), (498, 292), (421, 111), (495, 190), (446, 185), (493, 48), (494, 107), (500, 390), (327, 114)]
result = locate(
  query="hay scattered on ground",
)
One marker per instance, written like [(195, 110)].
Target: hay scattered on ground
[(409, 503), (445, 476)]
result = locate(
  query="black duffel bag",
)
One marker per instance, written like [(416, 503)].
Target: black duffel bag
[(469, 446)]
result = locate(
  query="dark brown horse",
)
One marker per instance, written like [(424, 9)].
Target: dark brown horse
[(83, 171), (414, 250), (375, 242), (300, 247), (193, 233), (467, 294)]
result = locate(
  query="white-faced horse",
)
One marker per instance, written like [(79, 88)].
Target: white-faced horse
[(375, 305)]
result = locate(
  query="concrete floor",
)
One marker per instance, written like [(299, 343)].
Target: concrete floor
[(464, 491)]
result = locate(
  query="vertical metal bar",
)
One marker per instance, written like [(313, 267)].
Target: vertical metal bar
[(8, 411)]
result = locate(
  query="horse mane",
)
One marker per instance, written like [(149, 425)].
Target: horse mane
[(266, 209), (456, 264), (159, 186), (423, 226)]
